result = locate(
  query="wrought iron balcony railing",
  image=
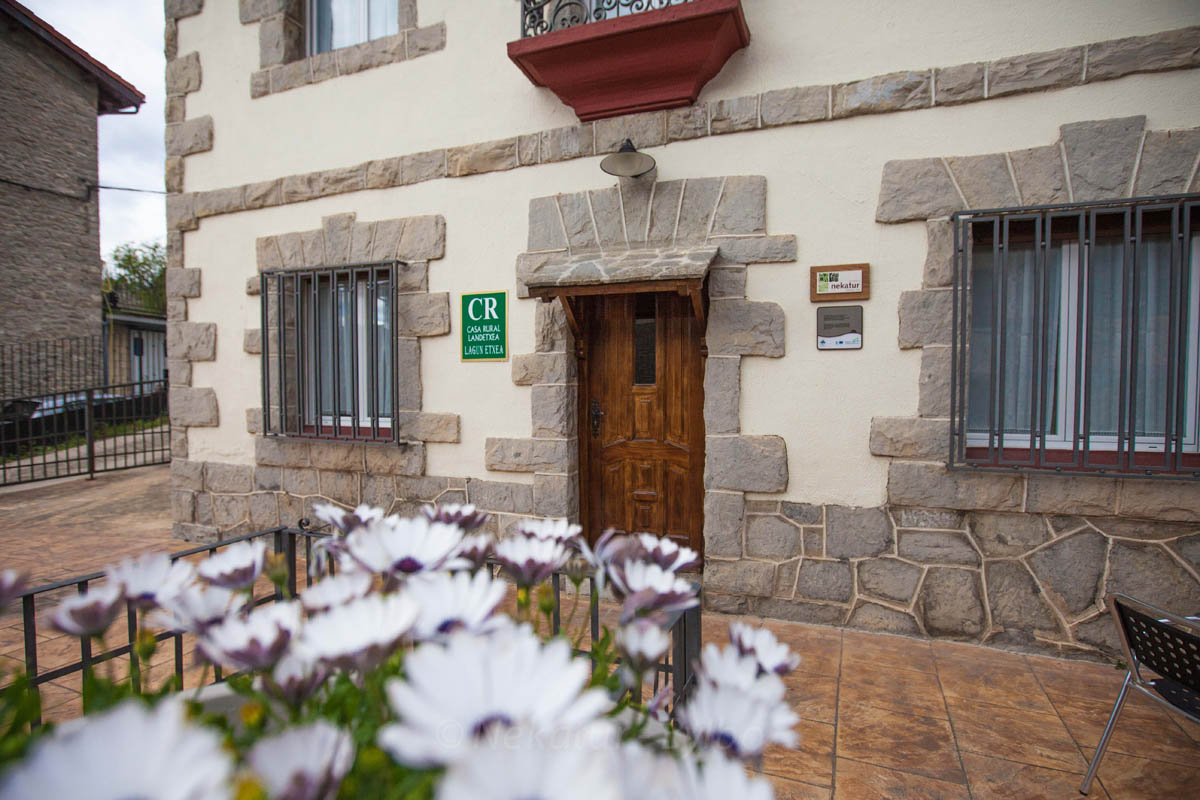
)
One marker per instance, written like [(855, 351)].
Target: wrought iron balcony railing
[(544, 16)]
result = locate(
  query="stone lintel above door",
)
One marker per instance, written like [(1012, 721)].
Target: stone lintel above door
[(633, 269)]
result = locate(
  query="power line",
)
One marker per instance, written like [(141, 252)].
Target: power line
[(131, 189), (83, 198)]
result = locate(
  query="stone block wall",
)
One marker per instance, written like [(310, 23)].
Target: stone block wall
[(49, 225), (1018, 579)]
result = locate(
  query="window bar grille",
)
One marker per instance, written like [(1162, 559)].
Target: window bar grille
[(355, 419), (264, 293), (1136, 257), (373, 351), (315, 344)]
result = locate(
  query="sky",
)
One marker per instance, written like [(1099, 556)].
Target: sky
[(127, 37)]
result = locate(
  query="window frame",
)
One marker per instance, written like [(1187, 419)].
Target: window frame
[(297, 319), (1074, 448), (364, 28)]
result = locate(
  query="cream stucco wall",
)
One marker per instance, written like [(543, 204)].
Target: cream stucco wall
[(471, 92), (822, 182)]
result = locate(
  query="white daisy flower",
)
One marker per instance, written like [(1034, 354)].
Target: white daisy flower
[(519, 765), (559, 530), (235, 567), (719, 778), (475, 549), (197, 607), (742, 721), (303, 763), (648, 775), (296, 676), (346, 521), (12, 583), (464, 516), (255, 642), (89, 614), (611, 550), (399, 547), (448, 602), (646, 588), (665, 552), (335, 591), (642, 643), (771, 654), (129, 751), (454, 694), (726, 666), (361, 634), (150, 578), (529, 560)]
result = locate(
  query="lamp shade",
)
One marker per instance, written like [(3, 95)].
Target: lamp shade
[(627, 162)]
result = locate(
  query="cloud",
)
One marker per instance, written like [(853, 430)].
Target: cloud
[(127, 37)]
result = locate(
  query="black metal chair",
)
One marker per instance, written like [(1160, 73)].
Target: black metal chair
[(1161, 643)]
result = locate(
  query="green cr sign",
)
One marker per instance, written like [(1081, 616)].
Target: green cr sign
[(485, 326)]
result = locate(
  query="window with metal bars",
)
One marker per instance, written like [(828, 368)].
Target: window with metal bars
[(329, 360), (1076, 338)]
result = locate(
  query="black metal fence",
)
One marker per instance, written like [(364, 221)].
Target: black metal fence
[(296, 546), (1076, 343), (544, 16), (84, 431)]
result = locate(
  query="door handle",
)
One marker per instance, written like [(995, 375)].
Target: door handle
[(596, 415)]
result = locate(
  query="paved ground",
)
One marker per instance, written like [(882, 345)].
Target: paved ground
[(881, 716), (888, 717), (59, 529)]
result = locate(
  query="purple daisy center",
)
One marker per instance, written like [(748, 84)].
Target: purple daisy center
[(408, 565), (487, 723)]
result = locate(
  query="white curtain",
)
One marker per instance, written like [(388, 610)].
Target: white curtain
[(341, 23), (1019, 334)]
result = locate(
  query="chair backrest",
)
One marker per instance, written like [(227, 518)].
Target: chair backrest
[(1159, 640)]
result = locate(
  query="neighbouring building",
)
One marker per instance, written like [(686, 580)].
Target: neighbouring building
[(51, 92), (901, 331), (50, 266)]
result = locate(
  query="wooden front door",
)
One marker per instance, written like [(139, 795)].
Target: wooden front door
[(641, 423)]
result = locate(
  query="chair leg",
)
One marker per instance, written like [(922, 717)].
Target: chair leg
[(1108, 729)]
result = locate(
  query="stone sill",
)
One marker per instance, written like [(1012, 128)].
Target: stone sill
[(404, 46), (648, 61)]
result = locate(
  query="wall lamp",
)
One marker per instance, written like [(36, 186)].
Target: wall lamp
[(627, 162)]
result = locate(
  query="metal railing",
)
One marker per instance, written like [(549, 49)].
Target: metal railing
[(284, 540), (544, 16), (84, 431), (291, 542), (1076, 342)]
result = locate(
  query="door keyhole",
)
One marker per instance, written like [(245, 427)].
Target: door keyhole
[(596, 415)]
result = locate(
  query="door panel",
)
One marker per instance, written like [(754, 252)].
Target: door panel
[(642, 404)]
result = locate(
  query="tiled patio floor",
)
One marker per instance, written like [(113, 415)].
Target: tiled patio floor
[(889, 717)]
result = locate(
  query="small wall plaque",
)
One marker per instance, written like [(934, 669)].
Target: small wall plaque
[(840, 282), (840, 328)]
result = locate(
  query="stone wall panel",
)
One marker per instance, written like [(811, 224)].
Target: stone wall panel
[(746, 463)]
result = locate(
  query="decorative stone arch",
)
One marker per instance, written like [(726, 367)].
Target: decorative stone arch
[(593, 229)]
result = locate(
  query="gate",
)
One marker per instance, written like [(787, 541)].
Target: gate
[(78, 407)]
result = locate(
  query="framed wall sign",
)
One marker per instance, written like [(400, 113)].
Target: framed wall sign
[(840, 328), (839, 283), (484, 326)]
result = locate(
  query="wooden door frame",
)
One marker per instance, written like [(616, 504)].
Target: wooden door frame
[(697, 290)]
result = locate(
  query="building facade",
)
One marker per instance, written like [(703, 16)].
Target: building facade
[(399, 276)]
